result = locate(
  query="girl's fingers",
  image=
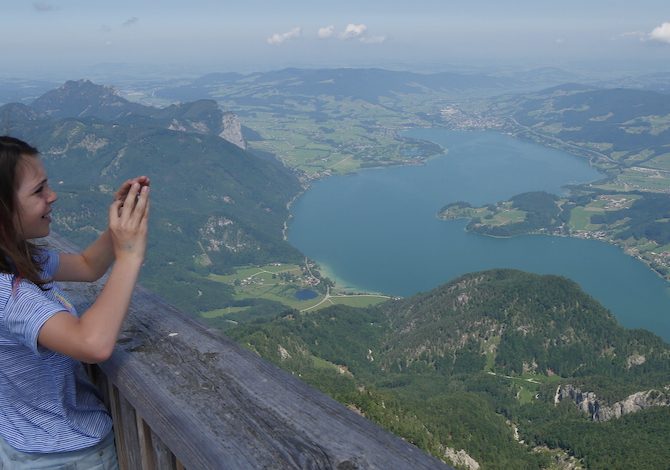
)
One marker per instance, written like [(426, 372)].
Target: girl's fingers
[(123, 190), (141, 204), (144, 222), (129, 202), (126, 185)]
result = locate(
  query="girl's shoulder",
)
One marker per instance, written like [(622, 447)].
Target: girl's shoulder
[(48, 261)]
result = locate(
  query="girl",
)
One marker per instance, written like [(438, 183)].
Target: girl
[(50, 414)]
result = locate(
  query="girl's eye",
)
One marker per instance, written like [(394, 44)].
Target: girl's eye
[(39, 190)]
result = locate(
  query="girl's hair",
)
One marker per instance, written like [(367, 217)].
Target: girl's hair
[(17, 256)]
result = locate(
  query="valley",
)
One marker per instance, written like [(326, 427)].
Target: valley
[(494, 369), (630, 147)]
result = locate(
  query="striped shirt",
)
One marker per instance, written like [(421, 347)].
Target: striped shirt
[(47, 403)]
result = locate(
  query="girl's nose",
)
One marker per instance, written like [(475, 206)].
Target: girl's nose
[(52, 196)]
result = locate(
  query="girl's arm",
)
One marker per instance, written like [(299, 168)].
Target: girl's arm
[(94, 261), (90, 264), (91, 338)]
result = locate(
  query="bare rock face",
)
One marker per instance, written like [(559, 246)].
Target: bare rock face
[(634, 403), (232, 130), (588, 402), (461, 458), (635, 360)]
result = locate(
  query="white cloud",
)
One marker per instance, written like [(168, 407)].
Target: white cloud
[(278, 38), (131, 21), (326, 32), (559, 41), (353, 31), (661, 33)]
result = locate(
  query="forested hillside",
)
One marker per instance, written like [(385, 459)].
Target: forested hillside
[(477, 365)]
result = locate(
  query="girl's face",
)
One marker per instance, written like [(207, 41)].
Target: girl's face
[(33, 199)]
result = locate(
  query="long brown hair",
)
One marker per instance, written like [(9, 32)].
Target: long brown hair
[(18, 257)]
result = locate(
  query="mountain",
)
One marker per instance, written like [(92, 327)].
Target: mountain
[(214, 206), (628, 126), (659, 81), (365, 84), (476, 366), (82, 99)]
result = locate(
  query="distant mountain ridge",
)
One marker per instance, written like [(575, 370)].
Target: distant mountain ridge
[(354, 83), (618, 122), (82, 99)]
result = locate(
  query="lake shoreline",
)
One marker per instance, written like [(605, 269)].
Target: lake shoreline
[(377, 231)]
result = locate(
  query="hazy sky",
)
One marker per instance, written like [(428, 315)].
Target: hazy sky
[(249, 35)]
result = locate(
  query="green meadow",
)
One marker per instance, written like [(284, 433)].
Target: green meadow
[(279, 283)]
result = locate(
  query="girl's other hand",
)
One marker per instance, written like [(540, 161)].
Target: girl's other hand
[(128, 220)]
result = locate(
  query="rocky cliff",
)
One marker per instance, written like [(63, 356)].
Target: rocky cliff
[(589, 403), (232, 130)]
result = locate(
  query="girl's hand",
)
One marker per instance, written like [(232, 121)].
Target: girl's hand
[(125, 187), (128, 220)]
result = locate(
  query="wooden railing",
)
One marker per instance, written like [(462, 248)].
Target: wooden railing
[(182, 396)]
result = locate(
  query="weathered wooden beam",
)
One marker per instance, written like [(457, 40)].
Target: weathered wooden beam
[(214, 404)]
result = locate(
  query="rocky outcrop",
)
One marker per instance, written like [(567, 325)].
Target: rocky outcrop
[(589, 403), (635, 360), (461, 459), (232, 130)]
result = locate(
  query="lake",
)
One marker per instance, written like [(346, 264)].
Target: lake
[(378, 230), (305, 294)]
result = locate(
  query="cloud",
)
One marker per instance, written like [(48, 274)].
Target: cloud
[(661, 33), (278, 38), (130, 21), (44, 6), (326, 32), (360, 32), (353, 31), (105, 28), (356, 32)]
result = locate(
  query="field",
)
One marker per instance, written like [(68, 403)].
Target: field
[(321, 135), (581, 215), (506, 215), (279, 283), (639, 179), (580, 219), (661, 162), (503, 214)]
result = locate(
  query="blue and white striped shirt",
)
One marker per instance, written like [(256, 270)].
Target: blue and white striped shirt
[(47, 403)]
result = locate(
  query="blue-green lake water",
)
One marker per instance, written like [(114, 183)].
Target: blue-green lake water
[(377, 230)]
